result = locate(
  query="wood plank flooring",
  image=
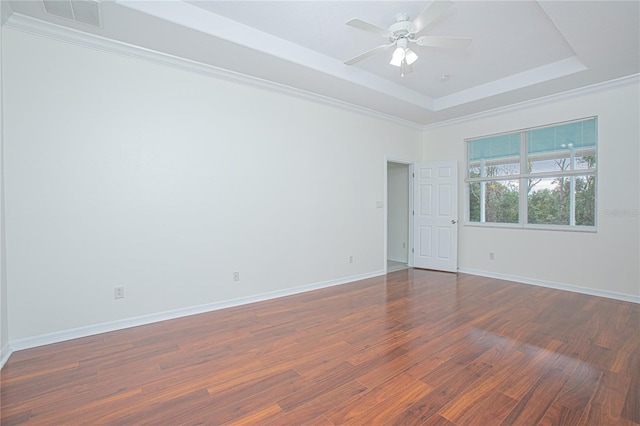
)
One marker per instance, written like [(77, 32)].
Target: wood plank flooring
[(414, 347)]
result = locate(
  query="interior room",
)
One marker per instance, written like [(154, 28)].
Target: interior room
[(314, 212)]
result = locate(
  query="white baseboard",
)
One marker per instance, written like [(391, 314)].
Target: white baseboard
[(397, 259), (558, 286), (60, 336), (5, 353)]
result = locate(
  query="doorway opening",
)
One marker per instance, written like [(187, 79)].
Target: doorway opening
[(398, 208)]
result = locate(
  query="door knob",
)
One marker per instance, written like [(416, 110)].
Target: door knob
[(453, 222)]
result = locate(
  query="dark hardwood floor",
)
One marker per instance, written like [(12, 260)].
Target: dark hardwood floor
[(414, 347)]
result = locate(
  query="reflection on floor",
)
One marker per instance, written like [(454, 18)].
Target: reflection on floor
[(392, 265)]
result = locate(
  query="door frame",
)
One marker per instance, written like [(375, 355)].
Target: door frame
[(410, 164)]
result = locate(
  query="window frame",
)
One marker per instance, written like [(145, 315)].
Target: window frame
[(523, 179)]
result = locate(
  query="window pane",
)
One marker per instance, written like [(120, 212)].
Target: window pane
[(569, 146), (550, 201), (475, 195), (585, 200), (494, 156), (500, 201)]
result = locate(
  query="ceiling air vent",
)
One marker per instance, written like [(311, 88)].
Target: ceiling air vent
[(83, 11)]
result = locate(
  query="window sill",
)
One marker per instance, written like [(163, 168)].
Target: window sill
[(587, 229)]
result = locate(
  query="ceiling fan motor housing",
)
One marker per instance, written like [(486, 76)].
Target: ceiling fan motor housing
[(401, 28)]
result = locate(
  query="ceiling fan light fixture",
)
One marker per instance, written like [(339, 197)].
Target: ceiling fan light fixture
[(410, 56), (405, 69), (398, 56)]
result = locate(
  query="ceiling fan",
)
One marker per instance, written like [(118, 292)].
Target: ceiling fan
[(403, 32)]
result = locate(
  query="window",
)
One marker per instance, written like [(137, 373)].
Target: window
[(535, 178)]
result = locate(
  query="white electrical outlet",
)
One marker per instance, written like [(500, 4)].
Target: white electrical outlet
[(236, 276), (350, 259), (491, 256), (118, 292)]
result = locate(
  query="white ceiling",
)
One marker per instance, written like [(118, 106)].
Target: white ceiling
[(521, 50)]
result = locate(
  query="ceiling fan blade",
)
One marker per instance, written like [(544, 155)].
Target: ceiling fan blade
[(433, 41), (428, 15), (357, 23), (368, 53)]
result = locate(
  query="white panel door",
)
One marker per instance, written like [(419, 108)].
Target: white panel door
[(435, 216)]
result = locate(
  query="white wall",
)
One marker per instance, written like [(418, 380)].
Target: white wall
[(606, 261), (397, 211), (124, 172)]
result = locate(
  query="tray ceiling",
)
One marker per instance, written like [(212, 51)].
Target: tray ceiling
[(521, 50)]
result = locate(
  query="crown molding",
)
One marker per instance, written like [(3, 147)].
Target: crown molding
[(594, 88), (95, 42)]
